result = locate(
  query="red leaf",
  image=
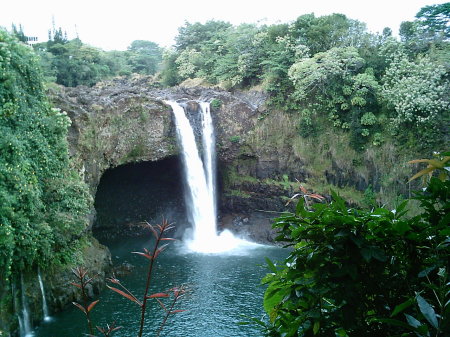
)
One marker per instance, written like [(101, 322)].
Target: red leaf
[(159, 250), (147, 256), (316, 196), (92, 305), (130, 297), (167, 239), (158, 295), (155, 234), (79, 306), (168, 228), (100, 329), (161, 304), (79, 272), (292, 198), (113, 280), (175, 311), (75, 284)]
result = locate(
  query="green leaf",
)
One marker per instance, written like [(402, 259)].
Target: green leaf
[(426, 271), (395, 322), (401, 227), (300, 206), (271, 266), (316, 327), (445, 220), (412, 321), (399, 308), (402, 206), (381, 211), (272, 297), (428, 312), (373, 252), (338, 201), (341, 332), (366, 254)]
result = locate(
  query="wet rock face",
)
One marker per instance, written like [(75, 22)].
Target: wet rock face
[(97, 261), (126, 121), (57, 287)]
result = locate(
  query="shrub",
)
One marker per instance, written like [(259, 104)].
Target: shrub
[(350, 270), (235, 139), (216, 103)]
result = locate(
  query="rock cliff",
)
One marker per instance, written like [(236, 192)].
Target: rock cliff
[(262, 158)]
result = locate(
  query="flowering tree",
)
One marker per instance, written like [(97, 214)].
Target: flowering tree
[(416, 91)]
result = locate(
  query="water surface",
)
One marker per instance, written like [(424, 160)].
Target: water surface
[(223, 288)]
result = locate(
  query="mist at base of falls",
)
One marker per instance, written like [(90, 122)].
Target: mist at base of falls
[(224, 242)]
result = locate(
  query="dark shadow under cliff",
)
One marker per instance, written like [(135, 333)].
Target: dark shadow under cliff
[(130, 194)]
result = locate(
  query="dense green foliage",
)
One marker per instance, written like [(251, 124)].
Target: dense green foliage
[(43, 201), (363, 273), (72, 63), (332, 72)]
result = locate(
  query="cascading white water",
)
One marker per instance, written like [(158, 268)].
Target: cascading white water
[(209, 153), (200, 182), (24, 319), (203, 218), (47, 317)]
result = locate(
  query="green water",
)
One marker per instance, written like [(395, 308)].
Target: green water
[(222, 289)]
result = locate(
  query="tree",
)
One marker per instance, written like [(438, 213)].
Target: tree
[(144, 57), (169, 73), (417, 95), (18, 33), (241, 62), (195, 35), (436, 19), (325, 32)]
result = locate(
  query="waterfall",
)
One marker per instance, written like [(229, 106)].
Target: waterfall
[(209, 154), (44, 300), (203, 218), (200, 177), (24, 319)]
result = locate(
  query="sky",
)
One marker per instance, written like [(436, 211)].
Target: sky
[(113, 25)]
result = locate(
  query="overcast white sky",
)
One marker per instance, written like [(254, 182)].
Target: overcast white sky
[(111, 24)]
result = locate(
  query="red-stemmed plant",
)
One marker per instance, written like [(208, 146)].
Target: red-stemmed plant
[(83, 281), (177, 293), (158, 231), (109, 330)]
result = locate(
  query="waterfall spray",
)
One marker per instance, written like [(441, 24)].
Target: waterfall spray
[(47, 317)]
